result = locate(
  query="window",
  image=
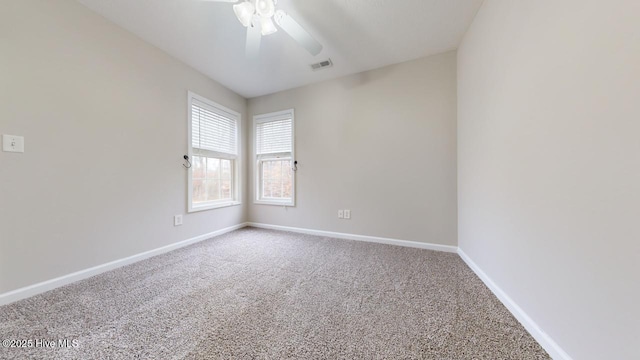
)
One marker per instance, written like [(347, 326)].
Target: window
[(275, 179), (213, 134)]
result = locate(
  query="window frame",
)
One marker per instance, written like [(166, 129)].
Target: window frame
[(257, 168), (236, 160)]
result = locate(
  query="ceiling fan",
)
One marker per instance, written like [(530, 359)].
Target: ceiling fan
[(258, 16)]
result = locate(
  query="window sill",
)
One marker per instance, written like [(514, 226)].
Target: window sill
[(214, 206), (276, 203)]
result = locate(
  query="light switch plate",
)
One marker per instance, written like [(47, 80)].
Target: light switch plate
[(12, 143), (177, 220), (347, 214)]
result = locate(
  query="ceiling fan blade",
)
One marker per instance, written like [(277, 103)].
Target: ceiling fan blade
[(297, 32), (254, 37)]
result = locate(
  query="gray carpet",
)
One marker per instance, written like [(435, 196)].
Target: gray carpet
[(261, 294)]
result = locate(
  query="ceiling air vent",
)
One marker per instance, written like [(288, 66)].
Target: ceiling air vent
[(321, 65)]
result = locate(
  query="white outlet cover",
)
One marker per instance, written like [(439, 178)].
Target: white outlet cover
[(12, 143), (340, 214), (347, 214), (177, 220)]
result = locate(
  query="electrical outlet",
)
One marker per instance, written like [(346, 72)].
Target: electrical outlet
[(177, 220), (340, 214), (347, 214)]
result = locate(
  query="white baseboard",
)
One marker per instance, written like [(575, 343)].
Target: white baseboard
[(552, 348), (44, 286), (373, 239)]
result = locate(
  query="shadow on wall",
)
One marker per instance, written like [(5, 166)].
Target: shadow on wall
[(363, 78)]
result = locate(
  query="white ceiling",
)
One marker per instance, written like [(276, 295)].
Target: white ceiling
[(357, 35)]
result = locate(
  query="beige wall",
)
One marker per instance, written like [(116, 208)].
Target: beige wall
[(549, 165), (380, 143), (104, 118)]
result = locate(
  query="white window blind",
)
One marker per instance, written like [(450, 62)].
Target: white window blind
[(212, 129), (274, 137)]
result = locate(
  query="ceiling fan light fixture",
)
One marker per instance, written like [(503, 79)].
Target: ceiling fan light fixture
[(244, 12), (267, 26), (265, 8)]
